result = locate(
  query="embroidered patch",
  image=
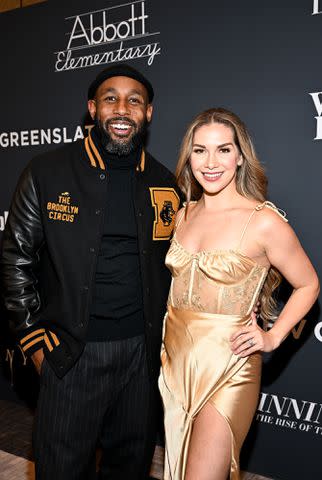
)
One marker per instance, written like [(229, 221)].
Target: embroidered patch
[(166, 203), (62, 210)]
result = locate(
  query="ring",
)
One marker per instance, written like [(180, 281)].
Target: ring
[(251, 342)]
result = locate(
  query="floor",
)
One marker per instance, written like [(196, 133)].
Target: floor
[(15, 468), (15, 446)]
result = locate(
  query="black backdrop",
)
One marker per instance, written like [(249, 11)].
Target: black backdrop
[(260, 59)]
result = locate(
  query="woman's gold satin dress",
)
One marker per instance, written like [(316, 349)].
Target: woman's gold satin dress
[(212, 294)]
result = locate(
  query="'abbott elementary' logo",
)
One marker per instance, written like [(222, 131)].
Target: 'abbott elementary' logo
[(117, 34)]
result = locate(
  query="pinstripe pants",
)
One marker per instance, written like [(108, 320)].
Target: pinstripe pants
[(105, 399)]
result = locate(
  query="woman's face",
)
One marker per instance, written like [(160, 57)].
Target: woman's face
[(215, 157)]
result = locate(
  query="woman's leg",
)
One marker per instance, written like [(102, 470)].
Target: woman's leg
[(209, 455)]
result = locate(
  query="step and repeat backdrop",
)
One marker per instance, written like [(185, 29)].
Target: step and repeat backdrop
[(260, 59)]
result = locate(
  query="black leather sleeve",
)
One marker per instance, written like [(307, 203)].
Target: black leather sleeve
[(22, 241)]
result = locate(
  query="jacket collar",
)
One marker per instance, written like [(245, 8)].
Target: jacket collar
[(95, 158)]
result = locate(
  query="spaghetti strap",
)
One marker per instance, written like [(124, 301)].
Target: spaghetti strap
[(259, 207), (273, 207), (245, 227)]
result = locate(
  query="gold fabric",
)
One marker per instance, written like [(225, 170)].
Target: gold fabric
[(225, 282), (198, 367), (211, 296)]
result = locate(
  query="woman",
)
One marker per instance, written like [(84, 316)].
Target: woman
[(228, 249)]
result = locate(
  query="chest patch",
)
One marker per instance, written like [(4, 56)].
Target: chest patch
[(62, 210), (166, 203)]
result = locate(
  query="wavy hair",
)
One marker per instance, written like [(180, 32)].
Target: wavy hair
[(251, 182)]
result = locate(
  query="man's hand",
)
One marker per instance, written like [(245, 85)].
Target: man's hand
[(38, 358)]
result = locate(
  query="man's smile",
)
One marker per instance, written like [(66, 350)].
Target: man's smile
[(120, 128)]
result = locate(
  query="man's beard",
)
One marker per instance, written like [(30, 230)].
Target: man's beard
[(121, 146)]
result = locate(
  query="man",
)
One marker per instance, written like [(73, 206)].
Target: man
[(85, 286)]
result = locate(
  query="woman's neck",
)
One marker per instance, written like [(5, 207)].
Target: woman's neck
[(223, 200)]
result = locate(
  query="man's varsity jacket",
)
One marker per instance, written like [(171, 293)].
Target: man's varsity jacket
[(52, 239)]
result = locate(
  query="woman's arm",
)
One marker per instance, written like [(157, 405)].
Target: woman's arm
[(284, 252)]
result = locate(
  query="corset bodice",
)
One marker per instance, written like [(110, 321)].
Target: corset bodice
[(226, 282), (219, 281)]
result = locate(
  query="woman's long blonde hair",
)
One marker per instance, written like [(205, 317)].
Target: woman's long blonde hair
[(251, 182)]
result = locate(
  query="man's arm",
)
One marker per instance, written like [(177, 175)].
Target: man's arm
[(22, 240)]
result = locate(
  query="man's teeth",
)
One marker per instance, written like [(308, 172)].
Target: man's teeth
[(121, 126)]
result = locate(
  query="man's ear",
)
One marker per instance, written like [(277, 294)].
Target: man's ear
[(149, 111), (91, 105)]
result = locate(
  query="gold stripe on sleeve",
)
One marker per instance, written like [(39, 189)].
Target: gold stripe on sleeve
[(55, 338), (32, 334), (33, 342), (48, 344)]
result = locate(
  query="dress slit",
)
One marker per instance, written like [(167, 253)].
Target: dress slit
[(233, 450)]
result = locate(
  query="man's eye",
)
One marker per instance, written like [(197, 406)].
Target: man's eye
[(134, 100), (110, 98)]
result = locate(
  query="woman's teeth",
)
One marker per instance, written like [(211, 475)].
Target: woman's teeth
[(212, 176)]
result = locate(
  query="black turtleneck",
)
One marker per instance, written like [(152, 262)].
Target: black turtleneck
[(117, 310)]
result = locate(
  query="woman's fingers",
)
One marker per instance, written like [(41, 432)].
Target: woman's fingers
[(248, 346), (247, 340), (253, 316), (244, 342), (242, 331)]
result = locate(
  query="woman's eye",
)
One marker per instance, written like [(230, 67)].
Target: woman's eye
[(198, 150), (225, 150)]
